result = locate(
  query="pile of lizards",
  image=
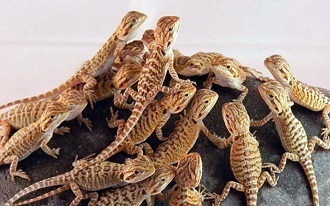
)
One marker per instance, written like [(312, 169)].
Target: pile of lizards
[(124, 69)]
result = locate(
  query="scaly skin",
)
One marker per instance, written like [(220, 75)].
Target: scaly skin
[(113, 82), (28, 113), (135, 194), (186, 130), (291, 132), (134, 51), (307, 96), (91, 178), (151, 80), (30, 138), (154, 117), (100, 63), (245, 158), (188, 176)]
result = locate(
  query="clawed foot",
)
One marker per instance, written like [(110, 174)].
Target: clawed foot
[(86, 122), (19, 173), (62, 130), (55, 152), (91, 97), (112, 120), (325, 134)]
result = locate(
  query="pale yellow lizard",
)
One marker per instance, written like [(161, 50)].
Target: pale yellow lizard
[(100, 63), (30, 138), (152, 119), (245, 158), (91, 178), (186, 130), (135, 194), (28, 113), (187, 177), (292, 133), (299, 92), (151, 80)]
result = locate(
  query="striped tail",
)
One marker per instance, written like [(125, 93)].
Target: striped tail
[(251, 196), (46, 195), (309, 171), (74, 80), (62, 179), (130, 123)]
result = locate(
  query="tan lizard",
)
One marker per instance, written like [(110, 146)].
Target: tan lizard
[(134, 51), (245, 158), (28, 113), (187, 176), (30, 138), (91, 178), (299, 92), (228, 72), (151, 80), (152, 119), (135, 194), (100, 63), (112, 82), (186, 130), (291, 132)]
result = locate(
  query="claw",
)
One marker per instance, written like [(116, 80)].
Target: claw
[(20, 173), (55, 152), (325, 134)]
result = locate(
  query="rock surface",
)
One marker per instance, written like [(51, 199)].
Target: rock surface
[(292, 188)]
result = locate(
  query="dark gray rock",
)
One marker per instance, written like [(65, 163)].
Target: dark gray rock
[(292, 188)]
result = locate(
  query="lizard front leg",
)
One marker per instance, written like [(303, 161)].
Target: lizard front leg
[(169, 90), (62, 130), (121, 99), (90, 82), (254, 73), (52, 152), (260, 123), (271, 179), (326, 121), (285, 156), (114, 122), (85, 121), (13, 169), (147, 149), (244, 91), (209, 81), (163, 197), (76, 190), (221, 143), (158, 130)]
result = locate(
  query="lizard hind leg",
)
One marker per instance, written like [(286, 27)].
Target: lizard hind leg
[(231, 184), (79, 195), (5, 129), (326, 121), (13, 169)]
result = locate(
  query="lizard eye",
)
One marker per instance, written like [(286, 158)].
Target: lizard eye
[(271, 96), (228, 66), (170, 29), (52, 116), (207, 101), (186, 94), (191, 64), (163, 180), (134, 21), (136, 172)]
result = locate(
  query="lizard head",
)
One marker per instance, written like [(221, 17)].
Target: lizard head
[(235, 117), (228, 68), (129, 25), (189, 170), (127, 75), (202, 103), (166, 32), (275, 96), (53, 116), (280, 69), (176, 102), (188, 66), (148, 36), (163, 176), (75, 101), (132, 50), (138, 169)]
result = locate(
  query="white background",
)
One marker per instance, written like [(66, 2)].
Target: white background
[(43, 42)]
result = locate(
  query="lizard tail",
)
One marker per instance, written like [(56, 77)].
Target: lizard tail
[(309, 171), (62, 179), (46, 195), (66, 85), (130, 123), (251, 196)]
